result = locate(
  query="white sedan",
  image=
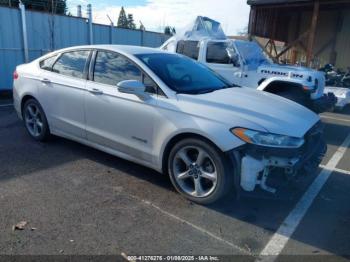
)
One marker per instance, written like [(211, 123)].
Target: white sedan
[(169, 113)]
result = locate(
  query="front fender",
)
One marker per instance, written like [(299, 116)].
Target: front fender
[(214, 132), (267, 82)]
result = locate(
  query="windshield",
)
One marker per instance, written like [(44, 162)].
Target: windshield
[(184, 75), (252, 53)]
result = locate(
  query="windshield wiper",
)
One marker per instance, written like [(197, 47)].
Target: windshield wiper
[(197, 92), (205, 91)]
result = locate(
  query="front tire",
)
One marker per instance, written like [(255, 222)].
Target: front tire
[(35, 120), (199, 171)]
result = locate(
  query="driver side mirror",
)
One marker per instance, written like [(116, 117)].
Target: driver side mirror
[(133, 87), (234, 58)]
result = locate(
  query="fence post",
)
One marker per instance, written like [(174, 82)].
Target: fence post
[(110, 30), (79, 14), (142, 36), (111, 34), (89, 13), (24, 31)]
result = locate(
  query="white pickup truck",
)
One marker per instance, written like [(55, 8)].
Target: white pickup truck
[(245, 64)]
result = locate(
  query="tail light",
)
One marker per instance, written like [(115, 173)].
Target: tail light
[(15, 75)]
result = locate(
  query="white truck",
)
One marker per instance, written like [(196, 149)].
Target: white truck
[(244, 63)]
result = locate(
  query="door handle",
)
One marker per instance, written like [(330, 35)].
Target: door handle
[(45, 81), (96, 91)]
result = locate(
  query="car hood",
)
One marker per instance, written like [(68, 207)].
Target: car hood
[(244, 107)]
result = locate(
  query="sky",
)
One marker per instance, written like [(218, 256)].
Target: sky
[(156, 14)]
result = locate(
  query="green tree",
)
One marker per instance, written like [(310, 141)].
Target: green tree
[(51, 6), (131, 23), (123, 20)]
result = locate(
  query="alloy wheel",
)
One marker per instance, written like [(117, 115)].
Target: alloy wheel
[(33, 120), (195, 171)]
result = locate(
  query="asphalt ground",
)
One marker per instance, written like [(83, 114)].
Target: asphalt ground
[(81, 201)]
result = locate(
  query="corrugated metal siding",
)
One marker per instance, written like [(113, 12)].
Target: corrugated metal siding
[(126, 37), (296, 21), (154, 39), (101, 34), (10, 45), (326, 28), (270, 23), (68, 31)]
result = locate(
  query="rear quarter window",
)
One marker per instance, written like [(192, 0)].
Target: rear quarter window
[(47, 63), (217, 53)]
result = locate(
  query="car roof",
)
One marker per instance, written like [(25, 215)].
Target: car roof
[(133, 50)]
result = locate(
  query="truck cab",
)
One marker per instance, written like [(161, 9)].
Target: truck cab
[(244, 63), (212, 53)]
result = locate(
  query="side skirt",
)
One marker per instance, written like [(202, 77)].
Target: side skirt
[(106, 150)]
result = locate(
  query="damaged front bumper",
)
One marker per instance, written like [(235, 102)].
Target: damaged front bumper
[(257, 163)]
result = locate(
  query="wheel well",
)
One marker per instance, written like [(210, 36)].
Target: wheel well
[(261, 80), (176, 139), (24, 100), (281, 86)]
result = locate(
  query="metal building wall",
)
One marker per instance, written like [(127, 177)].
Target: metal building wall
[(46, 32), (326, 40), (327, 29), (11, 53), (343, 43)]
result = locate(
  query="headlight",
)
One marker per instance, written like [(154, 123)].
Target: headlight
[(267, 139)]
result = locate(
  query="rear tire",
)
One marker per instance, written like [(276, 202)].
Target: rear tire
[(35, 120), (199, 171)]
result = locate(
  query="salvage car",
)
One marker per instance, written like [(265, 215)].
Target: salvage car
[(170, 113)]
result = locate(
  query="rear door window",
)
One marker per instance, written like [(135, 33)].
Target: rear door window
[(188, 48), (217, 53), (72, 63)]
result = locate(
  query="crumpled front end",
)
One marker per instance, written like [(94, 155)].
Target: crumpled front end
[(257, 163)]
